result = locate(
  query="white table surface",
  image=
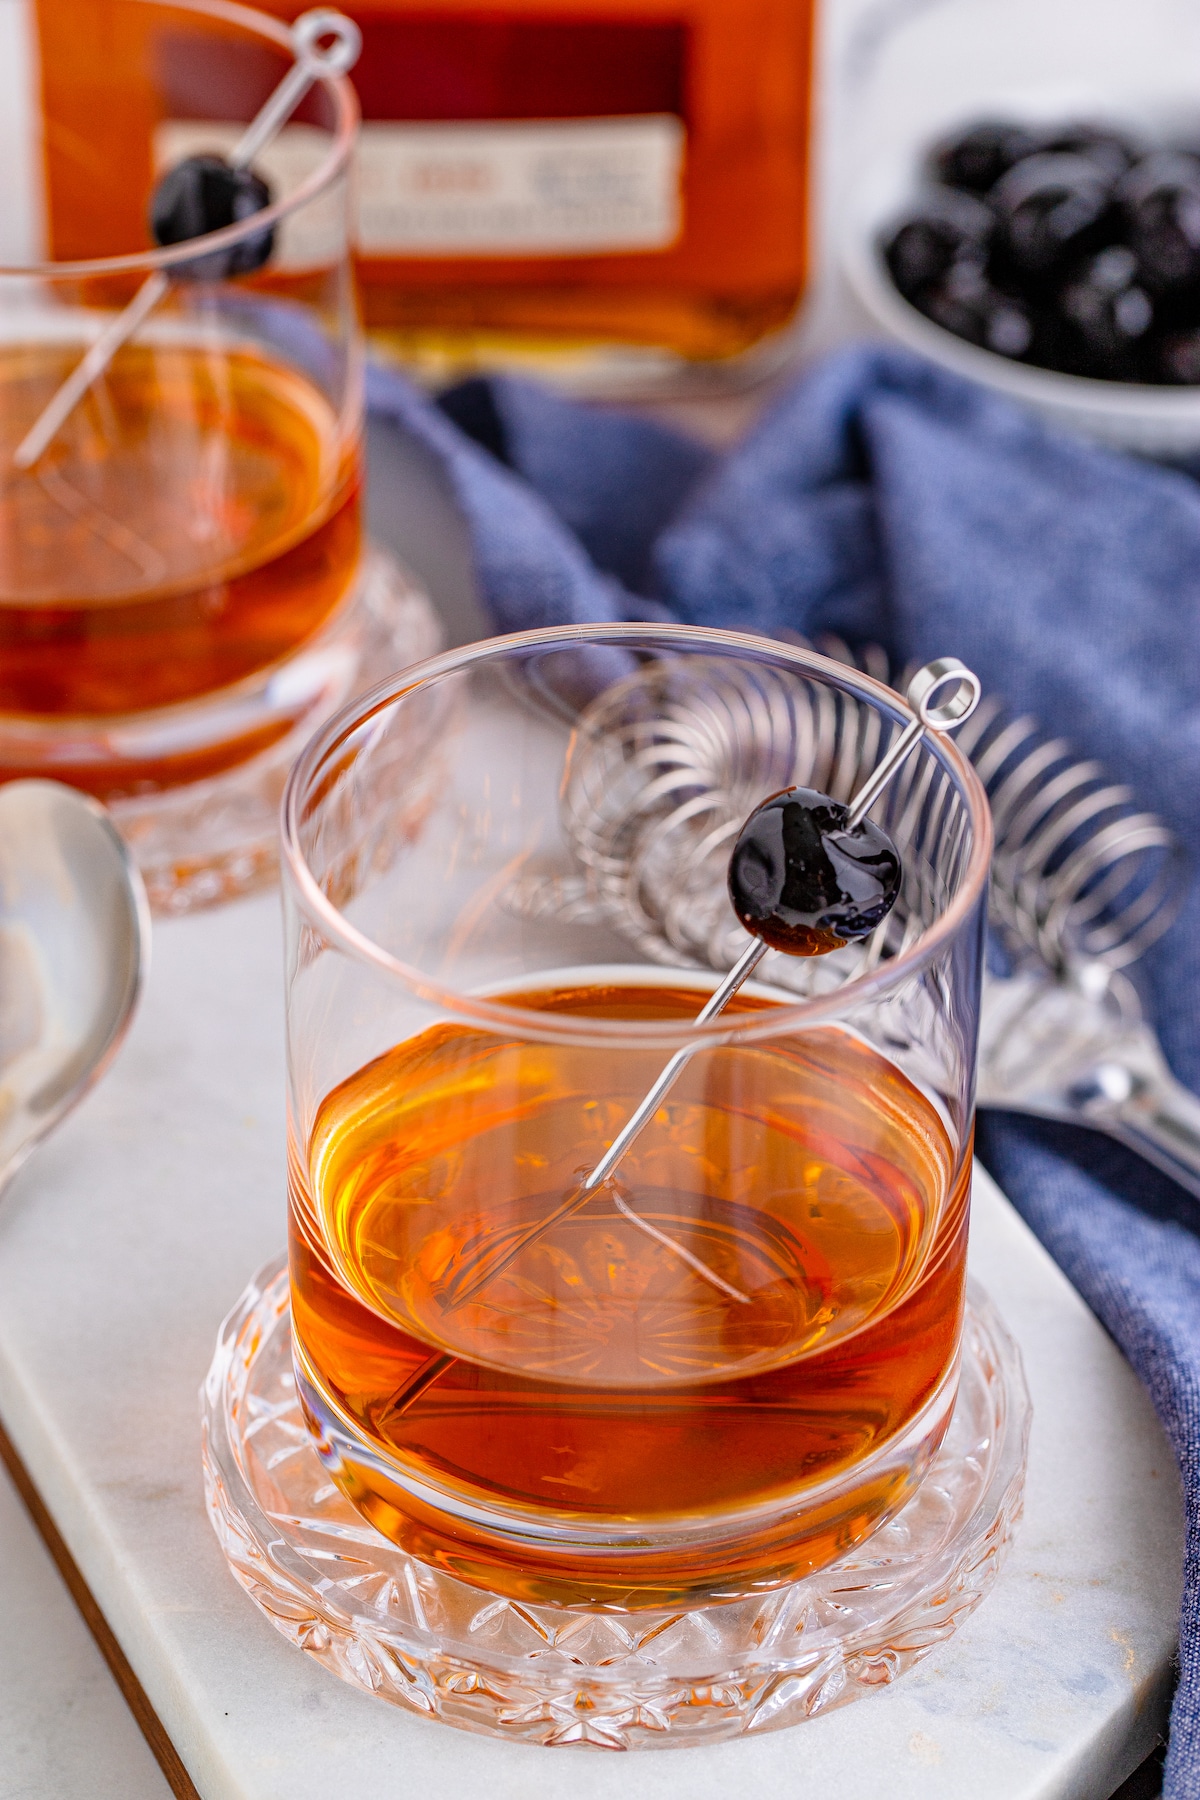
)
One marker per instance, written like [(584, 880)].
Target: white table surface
[(127, 1237)]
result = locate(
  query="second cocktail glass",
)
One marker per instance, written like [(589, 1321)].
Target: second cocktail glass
[(180, 565)]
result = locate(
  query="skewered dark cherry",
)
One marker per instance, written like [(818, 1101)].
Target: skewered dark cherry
[(975, 160), (204, 194), (1051, 210), (803, 882)]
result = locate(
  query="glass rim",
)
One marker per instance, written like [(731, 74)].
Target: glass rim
[(524, 1022), (168, 256)]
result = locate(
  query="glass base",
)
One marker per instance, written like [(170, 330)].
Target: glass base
[(548, 1675), (208, 840), (614, 1564)]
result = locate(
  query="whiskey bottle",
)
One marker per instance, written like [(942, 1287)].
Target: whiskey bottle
[(600, 185)]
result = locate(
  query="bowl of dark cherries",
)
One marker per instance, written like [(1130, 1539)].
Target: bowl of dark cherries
[(1057, 260)]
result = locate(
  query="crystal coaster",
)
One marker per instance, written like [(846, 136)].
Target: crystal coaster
[(548, 1675)]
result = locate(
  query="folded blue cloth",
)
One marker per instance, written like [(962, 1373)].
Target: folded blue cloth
[(883, 500)]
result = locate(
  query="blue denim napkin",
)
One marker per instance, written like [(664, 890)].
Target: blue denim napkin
[(884, 500)]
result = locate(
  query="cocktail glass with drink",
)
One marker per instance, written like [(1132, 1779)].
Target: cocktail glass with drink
[(738, 1358), (180, 561)]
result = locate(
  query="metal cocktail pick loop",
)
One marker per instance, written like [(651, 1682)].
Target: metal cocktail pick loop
[(934, 677), (313, 63)]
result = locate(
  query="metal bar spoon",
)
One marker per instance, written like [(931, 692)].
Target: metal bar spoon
[(316, 59), (807, 874)]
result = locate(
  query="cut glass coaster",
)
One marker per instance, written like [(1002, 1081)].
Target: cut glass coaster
[(548, 1675)]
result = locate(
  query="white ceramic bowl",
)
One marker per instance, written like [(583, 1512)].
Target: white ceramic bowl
[(1152, 421)]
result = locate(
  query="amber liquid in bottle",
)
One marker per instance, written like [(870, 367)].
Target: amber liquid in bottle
[(597, 1375), (456, 262), (194, 522)]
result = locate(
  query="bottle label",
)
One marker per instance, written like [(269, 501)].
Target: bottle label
[(520, 188)]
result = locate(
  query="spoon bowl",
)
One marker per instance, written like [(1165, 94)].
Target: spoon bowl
[(74, 948)]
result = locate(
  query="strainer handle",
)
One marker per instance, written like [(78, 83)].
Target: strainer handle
[(1150, 1112), (1162, 1123)]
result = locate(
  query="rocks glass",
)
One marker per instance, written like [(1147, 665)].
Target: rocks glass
[(180, 569), (738, 1359)]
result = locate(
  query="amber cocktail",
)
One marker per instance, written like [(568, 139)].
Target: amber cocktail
[(197, 524)]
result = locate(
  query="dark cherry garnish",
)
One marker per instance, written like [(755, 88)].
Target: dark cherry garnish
[(804, 883), (203, 194)]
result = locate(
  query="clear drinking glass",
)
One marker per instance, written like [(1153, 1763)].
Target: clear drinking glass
[(505, 902), (176, 567)]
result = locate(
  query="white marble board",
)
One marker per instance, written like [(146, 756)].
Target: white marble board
[(65, 1731), (128, 1236)]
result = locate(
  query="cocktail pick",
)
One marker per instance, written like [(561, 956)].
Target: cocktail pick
[(203, 194), (807, 874)]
